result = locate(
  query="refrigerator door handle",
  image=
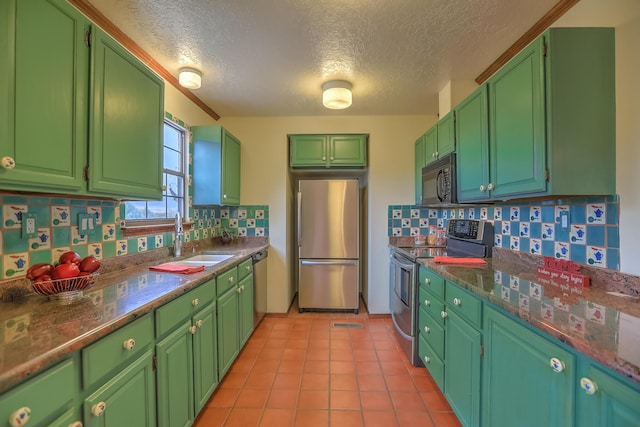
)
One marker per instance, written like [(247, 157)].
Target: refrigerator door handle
[(299, 219), (348, 263)]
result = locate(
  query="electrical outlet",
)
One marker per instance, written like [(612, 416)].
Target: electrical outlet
[(86, 224), (564, 220), (29, 225)]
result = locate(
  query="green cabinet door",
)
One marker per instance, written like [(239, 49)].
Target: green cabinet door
[(615, 401), (43, 96), (347, 150), (128, 399), (431, 145), (307, 150), (472, 146), (205, 355), (228, 330), (446, 134), (175, 378), (230, 170), (246, 308), (126, 123), (517, 358), (517, 124), (419, 162), (216, 166), (462, 368)]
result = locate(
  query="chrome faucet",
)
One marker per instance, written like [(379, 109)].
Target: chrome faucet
[(177, 241)]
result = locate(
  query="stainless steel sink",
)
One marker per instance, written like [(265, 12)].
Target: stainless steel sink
[(203, 259)]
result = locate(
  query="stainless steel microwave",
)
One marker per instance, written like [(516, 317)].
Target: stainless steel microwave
[(439, 181)]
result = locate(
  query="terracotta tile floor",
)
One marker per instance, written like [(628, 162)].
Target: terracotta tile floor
[(304, 370)]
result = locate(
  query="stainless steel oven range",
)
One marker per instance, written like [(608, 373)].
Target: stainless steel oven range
[(468, 238)]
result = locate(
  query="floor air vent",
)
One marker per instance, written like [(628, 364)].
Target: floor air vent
[(347, 325)]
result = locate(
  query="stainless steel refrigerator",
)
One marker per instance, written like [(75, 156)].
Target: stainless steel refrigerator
[(328, 244)]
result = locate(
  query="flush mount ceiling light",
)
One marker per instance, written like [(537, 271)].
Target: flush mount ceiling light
[(336, 94), (190, 78)]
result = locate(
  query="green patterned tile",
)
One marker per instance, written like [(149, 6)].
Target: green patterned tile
[(40, 257), (108, 249), (82, 250), (60, 236)]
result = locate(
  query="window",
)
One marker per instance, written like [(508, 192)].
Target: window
[(141, 212)]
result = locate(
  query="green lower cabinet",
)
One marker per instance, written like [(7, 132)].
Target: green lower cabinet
[(431, 361), (246, 308), (519, 385), (128, 399), (71, 418), (462, 368), (606, 399), (205, 355), (228, 327)]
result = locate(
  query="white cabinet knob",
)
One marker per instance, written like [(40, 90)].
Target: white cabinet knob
[(456, 301), (193, 329), (99, 408), (76, 424), (20, 417), (231, 279), (483, 188), (556, 364), (242, 288), (427, 281), (238, 290), (491, 186), (8, 162), (427, 359), (427, 302), (129, 344), (224, 196), (427, 329), (248, 268), (434, 155), (331, 158), (324, 157), (199, 324), (195, 302), (443, 314), (588, 386)]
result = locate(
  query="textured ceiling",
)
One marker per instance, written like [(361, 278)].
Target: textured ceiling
[(270, 57)]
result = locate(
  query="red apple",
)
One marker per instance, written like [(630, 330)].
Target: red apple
[(70, 257)]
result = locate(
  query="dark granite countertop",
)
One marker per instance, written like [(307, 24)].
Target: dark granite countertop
[(36, 332), (601, 321)]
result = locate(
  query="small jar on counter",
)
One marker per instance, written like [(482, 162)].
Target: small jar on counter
[(441, 237), (431, 237)]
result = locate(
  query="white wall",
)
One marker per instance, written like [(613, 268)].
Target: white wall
[(624, 15), (265, 181)]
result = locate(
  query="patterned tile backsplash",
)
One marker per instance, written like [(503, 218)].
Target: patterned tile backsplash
[(583, 230), (57, 230)]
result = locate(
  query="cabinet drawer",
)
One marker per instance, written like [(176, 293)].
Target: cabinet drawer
[(226, 281), (432, 282), (245, 268), (431, 361), (432, 331), (466, 305), (431, 304), (46, 395), (105, 355), (169, 315)]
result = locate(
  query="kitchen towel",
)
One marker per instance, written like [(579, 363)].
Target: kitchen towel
[(459, 261), (177, 268)]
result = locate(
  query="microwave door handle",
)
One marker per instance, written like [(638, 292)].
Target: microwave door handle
[(438, 185)]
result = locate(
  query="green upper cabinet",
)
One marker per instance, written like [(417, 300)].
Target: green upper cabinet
[(527, 379), (325, 151), (216, 166), (44, 84), (446, 135), (96, 106), (126, 129), (419, 159), (472, 153), (431, 145), (552, 118)]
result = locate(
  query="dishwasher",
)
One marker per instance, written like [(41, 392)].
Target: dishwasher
[(259, 285)]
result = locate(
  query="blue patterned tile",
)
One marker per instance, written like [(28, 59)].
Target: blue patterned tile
[(525, 244), (548, 248), (613, 259), (613, 237), (548, 213), (562, 234), (535, 230), (578, 214), (612, 213), (578, 253)]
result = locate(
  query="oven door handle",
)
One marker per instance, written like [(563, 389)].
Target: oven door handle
[(400, 264)]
